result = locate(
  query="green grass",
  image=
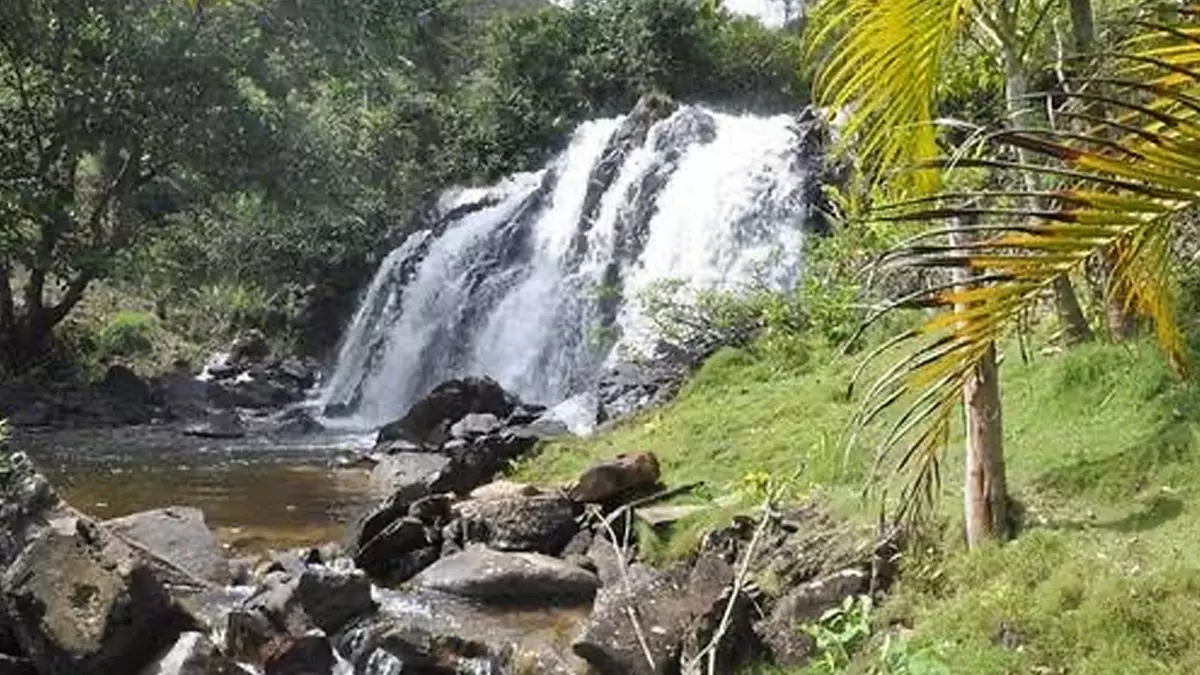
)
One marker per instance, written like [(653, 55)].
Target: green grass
[(1102, 455)]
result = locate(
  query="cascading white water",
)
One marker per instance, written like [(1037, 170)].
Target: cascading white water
[(529, 281)]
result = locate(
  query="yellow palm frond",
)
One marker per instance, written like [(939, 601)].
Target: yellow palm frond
[(1125, 183), (882, 72)]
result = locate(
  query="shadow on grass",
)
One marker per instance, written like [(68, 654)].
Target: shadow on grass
[(1154, 513), (1170, 456)]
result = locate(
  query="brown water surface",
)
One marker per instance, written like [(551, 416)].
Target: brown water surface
[(255, 493)]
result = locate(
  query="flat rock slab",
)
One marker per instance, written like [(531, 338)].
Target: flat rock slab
[(497, 577), (180, 536), (411, 475)]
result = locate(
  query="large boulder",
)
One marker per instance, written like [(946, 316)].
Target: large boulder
[(626, 475), (542, 523), (83, 603), (495, 577), (122, 384), (429, 421), (179, 536)]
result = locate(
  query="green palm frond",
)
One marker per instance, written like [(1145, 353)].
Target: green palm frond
[(883, 72), (1118, 191)]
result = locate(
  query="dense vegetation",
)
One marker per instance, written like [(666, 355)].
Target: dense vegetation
[(227, 165)]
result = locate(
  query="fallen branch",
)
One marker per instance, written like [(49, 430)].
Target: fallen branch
[(627, 509), (630, 608)]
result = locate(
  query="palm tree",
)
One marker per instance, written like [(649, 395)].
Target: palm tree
[(1112, 190)]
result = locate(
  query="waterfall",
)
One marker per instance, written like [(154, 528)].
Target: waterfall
[(535, 281)]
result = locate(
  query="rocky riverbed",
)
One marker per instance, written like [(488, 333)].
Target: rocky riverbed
[(311, 554)]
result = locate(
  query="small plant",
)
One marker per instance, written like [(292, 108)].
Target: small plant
[(839, 632)]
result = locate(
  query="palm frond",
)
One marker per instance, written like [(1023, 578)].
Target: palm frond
[(1117, 190), (883, 72)]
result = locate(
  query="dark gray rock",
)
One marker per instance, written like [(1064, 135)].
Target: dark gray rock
[(298, 422), (408, 476), (218, 424), (542, 524), (16, 665), (250, 347), (124, 385), (428, 422), (83, 603), (288, 608), (492, 576), (179, 535), (399, 550), (387, 646), (667, 604), (182, 396)]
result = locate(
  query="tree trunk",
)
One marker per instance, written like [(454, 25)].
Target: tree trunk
[(1122, 324), (985, 494), (1023, 111)]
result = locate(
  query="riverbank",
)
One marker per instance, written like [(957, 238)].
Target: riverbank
[(1102, 456)]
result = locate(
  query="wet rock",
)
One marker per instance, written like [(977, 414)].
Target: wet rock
[(408, 476), (289, 607), (258, 393), (628, 388), (804, 603), (524, 414), (542, 429), (612, 480), (218, 424), (180, 536), (388, 646), (497, 577), (192, 654), (302, 373), (542, 524), (299, 422), (399, 550), (182, 396), (428, 422), (241, 570), (308, 654), (86, 604)]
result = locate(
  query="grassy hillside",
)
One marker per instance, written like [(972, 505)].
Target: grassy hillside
[(1102, 454)]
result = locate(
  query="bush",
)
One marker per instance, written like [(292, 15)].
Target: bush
[(127, 334)]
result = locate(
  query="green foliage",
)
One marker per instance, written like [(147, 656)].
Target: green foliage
[(839, 633), (127, 334)]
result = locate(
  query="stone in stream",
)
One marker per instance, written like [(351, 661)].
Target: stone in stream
[(218, 424), (496, 577), (180, 536), (385, 645), (308, 654), (542, 524), (428, 422), (285, 611)]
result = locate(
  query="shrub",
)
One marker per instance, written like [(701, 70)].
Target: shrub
[(127, 334)]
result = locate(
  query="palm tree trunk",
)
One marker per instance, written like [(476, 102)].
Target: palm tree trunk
[(1020, 110), (985, 507), (985, 494)]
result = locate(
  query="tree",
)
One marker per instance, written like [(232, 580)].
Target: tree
[(108, 110), (1115, 191)]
